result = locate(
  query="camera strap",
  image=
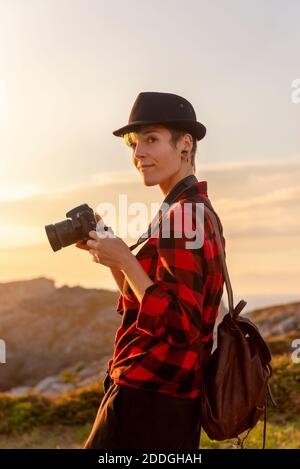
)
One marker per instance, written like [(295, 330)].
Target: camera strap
[(177, 190)]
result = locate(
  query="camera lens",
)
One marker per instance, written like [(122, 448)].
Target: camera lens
[(53, 239), (62, 234), (80, 222)]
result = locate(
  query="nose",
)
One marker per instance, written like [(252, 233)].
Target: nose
[(139, 149), (139, 152)]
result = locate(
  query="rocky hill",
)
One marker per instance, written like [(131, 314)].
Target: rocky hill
[(12, 293), (280, 326), (59, 339), (47, 329), (278, 320)]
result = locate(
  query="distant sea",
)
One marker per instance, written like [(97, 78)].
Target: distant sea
[(260, 301)]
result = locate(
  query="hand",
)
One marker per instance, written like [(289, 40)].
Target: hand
[(82, 243), (109, 250)]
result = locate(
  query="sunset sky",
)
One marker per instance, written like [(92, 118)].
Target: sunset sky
[(70, 71)]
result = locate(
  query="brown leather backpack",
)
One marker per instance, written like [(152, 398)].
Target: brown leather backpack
[(235, 382)]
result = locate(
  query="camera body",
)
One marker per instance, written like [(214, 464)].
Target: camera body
[(80, 221)]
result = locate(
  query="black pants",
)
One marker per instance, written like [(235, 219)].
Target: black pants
[(138, 419)]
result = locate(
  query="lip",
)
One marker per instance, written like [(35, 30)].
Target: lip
[(146, 166)]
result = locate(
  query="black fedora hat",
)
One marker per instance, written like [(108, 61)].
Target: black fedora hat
[(152, 107)]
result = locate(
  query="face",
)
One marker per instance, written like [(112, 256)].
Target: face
[(153, 155)]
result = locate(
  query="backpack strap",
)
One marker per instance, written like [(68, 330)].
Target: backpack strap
[(265, 425), (234, 312), (240, 442)]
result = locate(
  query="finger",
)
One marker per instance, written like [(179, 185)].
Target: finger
[(91, 244), (93, 234), (82, 245)]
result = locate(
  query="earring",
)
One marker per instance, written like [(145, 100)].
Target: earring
[(183, 152)]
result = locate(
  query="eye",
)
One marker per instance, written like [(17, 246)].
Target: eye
[(132, 144), (151, 138)]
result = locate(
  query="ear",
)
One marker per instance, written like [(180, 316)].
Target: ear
[(188, 142)]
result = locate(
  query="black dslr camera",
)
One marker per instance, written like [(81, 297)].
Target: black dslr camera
[(64, 233)]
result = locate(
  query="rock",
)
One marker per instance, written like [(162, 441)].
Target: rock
[(46, 384), (19, 391), (47, 329), (277, 320)]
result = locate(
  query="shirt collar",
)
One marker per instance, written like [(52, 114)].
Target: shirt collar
[(199, 188)]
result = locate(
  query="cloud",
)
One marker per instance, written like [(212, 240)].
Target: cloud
[(253, 199), (257, 200), (240, 179)]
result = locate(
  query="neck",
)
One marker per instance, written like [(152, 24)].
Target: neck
[(167, 184)]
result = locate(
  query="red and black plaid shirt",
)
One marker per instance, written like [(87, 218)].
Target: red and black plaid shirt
[(162, 340)]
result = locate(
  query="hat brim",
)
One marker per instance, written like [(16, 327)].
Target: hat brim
[(197, 129)]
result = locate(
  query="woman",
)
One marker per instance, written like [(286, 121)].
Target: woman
[(170, 292)]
